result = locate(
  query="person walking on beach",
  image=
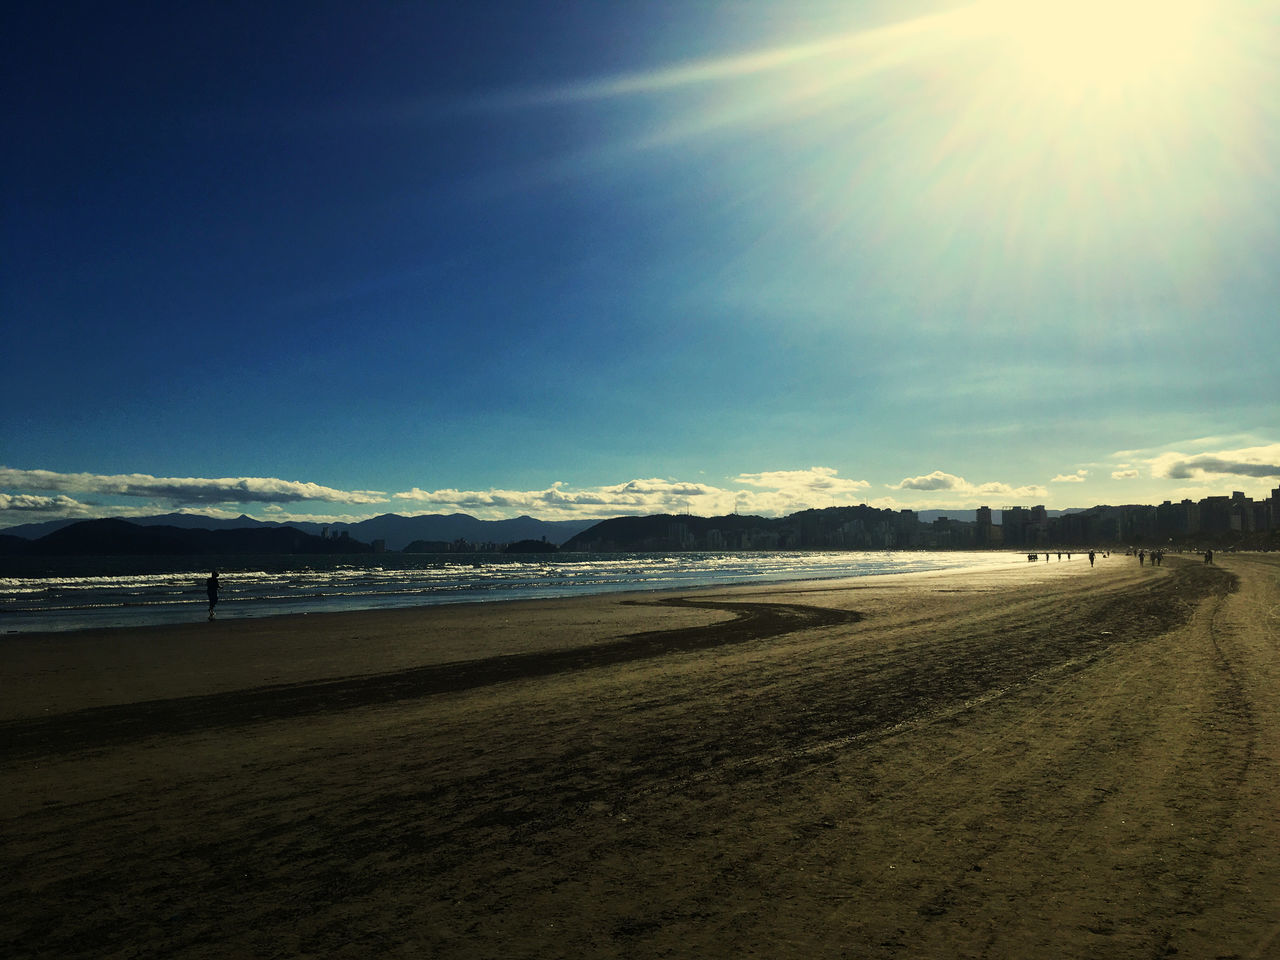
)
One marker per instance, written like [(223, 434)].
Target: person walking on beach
[(1091, 558), (211, 588)]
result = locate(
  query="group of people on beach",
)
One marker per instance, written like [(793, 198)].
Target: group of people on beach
[(1032, 557), (1157, 557)]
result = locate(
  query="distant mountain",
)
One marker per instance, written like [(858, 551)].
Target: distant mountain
[(113, 537), (30, 531), (398, 531), (185, 521)]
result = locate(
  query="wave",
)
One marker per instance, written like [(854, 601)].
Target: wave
[(47, 601)]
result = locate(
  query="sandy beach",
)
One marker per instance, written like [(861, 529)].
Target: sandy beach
[(1044, 761)]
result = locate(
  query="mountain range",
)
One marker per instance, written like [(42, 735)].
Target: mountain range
[(113, 537), (398, 531)]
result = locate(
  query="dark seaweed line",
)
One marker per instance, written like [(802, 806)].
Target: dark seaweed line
[(99, 727)]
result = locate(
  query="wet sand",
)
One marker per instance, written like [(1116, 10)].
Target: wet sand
[(1048, 761)]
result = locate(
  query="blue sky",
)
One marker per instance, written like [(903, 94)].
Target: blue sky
[(582, 259)]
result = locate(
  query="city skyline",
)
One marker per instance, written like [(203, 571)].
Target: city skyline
[(605, 259)]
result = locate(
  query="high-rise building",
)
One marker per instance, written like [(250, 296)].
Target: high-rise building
[(1013, 524), (984, 527)]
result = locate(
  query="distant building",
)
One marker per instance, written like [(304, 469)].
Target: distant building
[(985, 529), (1013, 523)]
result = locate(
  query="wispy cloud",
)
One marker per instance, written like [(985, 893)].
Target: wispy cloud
[(849, 56), (1078, 477), (1128, 474), (1260, 462), (185, 490)]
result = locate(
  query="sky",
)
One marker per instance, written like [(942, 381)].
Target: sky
[(330, 260)]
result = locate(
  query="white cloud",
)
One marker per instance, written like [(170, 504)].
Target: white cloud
[(30, 503), (778, 492), (185, 490), (560, 501), (1124, 474), (949, 482), (768, 493), (771, 493), (931, 481), (1077, 477)]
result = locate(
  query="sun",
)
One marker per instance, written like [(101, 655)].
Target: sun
[(1097, 49)]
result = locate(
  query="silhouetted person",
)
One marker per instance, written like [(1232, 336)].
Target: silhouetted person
[(211, 588), (1208, 556), (1091, 556)]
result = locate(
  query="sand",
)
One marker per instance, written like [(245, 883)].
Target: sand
[(1048, 761)]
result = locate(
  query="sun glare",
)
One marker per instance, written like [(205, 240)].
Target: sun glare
[(1098, 49)]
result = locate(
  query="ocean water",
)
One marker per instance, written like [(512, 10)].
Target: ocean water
[(58, 594)]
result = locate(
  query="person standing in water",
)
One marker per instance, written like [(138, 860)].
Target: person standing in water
[(211, 588)]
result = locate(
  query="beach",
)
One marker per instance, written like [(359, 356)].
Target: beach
[(1049, 760)]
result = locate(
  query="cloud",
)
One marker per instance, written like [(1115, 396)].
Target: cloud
[(197, 490), (1259, 463), (778, 492), (941, 481), (1124, 474), (767, 493), (931, 481), (1187, 469), (647, 495), (771, 493), (818, 480), (850, 55), (30, 503), (1077, 477)]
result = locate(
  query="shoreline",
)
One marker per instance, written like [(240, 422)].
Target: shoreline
[(165, 612), (109, 665), (941, 765)]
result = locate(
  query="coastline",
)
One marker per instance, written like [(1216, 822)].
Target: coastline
[(109, 665), (132, 592), (943, 764)]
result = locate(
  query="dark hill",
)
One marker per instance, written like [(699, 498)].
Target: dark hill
[(831, 528), (667, 531), (398, 531)]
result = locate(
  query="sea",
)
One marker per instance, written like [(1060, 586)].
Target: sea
[(74, 593)]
